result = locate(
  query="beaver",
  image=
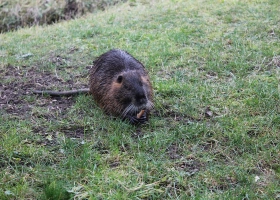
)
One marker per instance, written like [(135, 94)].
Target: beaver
[(120, 85)]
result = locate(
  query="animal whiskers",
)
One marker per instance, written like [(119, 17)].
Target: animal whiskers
[(131, 108)]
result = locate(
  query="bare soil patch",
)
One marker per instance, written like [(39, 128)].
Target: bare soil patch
[(190, 166), (171, 115), (174, 151), (17, 84)]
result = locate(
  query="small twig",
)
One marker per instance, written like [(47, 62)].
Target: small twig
[(140, 114)]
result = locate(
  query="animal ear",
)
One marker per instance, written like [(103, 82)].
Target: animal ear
[(120, 79)]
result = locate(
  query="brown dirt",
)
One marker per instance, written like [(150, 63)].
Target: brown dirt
[(222, 184), (190, 166), (18, 101), (167, 113), (174, 151)]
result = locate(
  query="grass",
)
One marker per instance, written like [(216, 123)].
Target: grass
[(16, 14), (214, 133)]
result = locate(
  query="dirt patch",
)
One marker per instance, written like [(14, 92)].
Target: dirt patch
[(17, 84), (114, 164), (174, 151), (18, 101), (171, 115), (208, 145), (51, 138), (75, 132), (125, 147), (275, 62), (190, 166), (223, 183)]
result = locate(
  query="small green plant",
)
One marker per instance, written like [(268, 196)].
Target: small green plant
[(55, 191)]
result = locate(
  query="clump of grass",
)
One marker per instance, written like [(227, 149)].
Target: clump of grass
[(17, 13), (55, 191)]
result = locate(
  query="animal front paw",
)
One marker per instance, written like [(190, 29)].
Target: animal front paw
[(134, 120)]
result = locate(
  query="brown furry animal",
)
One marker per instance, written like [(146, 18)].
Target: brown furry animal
[(120, 85)]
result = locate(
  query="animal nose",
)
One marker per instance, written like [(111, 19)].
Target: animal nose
[(141, 99)]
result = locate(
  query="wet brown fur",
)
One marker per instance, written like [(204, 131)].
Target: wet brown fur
[(113, 95)]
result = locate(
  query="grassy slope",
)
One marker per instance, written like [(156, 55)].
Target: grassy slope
[(215, 69)]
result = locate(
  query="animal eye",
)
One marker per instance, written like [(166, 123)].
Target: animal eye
[(119, 79)]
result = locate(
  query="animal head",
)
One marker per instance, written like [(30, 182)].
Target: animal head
[(133, 90)]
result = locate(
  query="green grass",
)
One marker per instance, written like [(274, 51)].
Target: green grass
[(214, 134)]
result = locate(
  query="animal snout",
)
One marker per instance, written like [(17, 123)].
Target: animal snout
[(141, 99)]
